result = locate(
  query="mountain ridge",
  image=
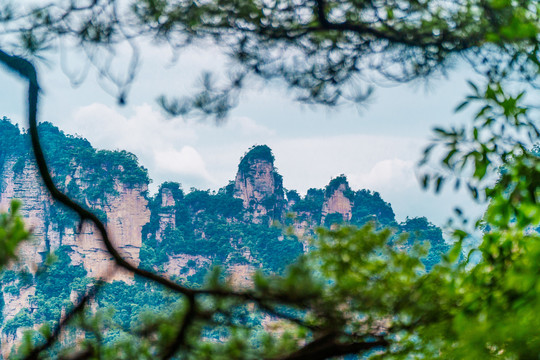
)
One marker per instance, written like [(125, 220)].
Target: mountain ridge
[(182, 234)]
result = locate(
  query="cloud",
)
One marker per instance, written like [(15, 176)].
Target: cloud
[(369, 161), (387, 175), (144, 129), (187, 163), (248, 126), (206, 156), (165, 146)]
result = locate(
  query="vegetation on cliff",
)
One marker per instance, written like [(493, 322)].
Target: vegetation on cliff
[(212, 227), (255, 153), (73, 157), (335, 183), (259, 183)]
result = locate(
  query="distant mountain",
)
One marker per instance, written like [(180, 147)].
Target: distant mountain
[(174, 232)]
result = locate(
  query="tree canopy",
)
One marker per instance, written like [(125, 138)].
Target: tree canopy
[(325, 52)]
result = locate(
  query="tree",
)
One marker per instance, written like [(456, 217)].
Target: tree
[(354, 294)]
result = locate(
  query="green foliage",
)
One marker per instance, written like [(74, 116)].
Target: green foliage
[(127, 302), (12, 233), (9, 276), (63, 218), (335, 184), (19, 165), (10, 138), (175, 189), (292, 195), (99, 167), (330, 43), (256, 152), (333, 219), (351, 281), (74, 163), (211, 225), (229, 189), (312, 204), (21, 320), (219, 204), (420, 230), (11, 289), (368, 206), (54, 286)]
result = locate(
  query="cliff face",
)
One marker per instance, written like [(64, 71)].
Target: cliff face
[(167, 213), (336, 201), (126, 213), (122, 204), (259, 185), (25, 185)]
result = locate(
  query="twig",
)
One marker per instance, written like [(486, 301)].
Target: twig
[(34, 354)]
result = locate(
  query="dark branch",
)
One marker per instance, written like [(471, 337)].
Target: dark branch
[(329, 346), (180, 339), (34, 354)]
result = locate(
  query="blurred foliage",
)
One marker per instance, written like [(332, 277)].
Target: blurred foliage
[(325, 52), (12, 233)]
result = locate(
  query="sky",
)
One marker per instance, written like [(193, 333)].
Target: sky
[(377, 146)]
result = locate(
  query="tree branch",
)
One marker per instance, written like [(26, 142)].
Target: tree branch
[(34, 354), (329, 346)]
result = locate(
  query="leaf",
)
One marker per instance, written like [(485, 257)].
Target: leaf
[(473, 190), (438, 184), (441, 131), (474, 86), (461, 106), (457, 184), (425, 180), (454, 253)]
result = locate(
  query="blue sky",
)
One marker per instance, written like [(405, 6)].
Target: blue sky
[(376, 146)]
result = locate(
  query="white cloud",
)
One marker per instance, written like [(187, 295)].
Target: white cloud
[(305, 153), (369, 161), (387, 175), (248, 126), (164, 146), (145, 129), (186, 162)]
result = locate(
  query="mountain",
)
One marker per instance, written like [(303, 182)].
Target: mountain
[(172, 232)]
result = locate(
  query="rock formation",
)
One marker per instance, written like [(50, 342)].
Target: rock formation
[(172, 232), (337, 199), (126, 213), (124, 208), (259, 185), (168, 198)]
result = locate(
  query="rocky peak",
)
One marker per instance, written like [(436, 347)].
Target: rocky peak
[(167, 198), (337, 198), (258, 183), (169, 195)]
